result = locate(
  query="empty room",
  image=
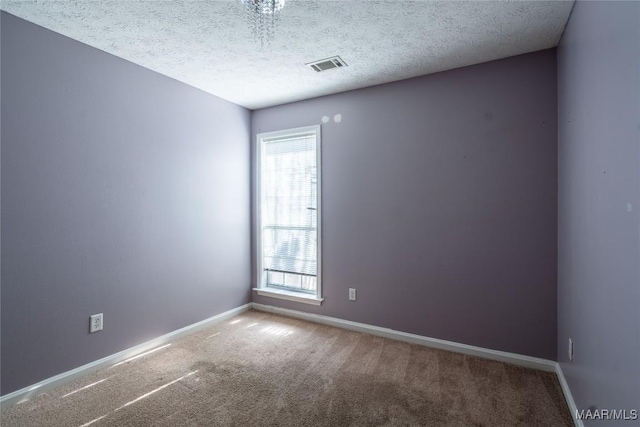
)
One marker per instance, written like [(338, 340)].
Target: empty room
[(319, 213)]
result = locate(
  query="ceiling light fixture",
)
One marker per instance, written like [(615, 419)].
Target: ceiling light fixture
[(263, 17)]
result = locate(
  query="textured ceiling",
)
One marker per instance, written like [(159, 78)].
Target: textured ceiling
[(209, 45)]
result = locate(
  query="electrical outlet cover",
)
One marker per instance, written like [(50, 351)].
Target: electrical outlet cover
[(352, 294), (96, 323)]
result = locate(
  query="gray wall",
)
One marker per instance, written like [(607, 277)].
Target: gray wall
[(439, 203), (599, 174), (124, 192)]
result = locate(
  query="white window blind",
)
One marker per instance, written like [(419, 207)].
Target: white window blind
[(289, 212)]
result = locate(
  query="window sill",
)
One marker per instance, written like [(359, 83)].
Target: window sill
[(289, 295)]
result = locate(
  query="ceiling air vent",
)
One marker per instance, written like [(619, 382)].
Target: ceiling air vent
[(327, 64)]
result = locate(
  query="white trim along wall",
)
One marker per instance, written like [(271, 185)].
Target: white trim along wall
[(65, 377), (501, 356)]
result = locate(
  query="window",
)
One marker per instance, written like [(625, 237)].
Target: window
[(288, 215)]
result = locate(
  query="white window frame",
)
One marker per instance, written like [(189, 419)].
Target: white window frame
[(261, 287)]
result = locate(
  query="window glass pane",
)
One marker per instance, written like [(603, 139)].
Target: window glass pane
[(289, 211)]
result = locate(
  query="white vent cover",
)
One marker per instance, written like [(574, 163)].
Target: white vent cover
[(327, 64)]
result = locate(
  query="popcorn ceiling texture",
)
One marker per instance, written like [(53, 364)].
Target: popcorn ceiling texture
[(208, 44)]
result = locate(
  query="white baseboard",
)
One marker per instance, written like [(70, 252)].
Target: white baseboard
[(568, 396), (65, 377), (501, 356)]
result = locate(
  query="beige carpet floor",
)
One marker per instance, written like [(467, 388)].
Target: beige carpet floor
[(260, 369)]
